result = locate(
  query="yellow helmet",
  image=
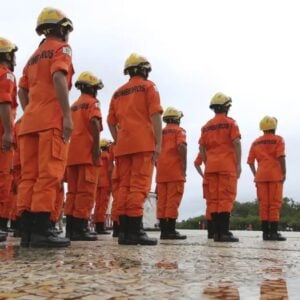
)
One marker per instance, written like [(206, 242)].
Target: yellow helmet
[(51, 16), (7, 46), (172, 113), (268, 123), (220, 99), (89, 79), (104, 143), (136, 60)]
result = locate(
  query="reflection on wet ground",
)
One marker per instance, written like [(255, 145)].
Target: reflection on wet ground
[(192, 269)]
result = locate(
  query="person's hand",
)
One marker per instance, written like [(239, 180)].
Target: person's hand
[(7, 141), (156, 154), (67, 128)]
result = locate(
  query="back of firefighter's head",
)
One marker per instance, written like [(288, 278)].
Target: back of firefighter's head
[(172, 115), (104, 144), (220, 103), (137, 65), (88, 83), (7, 53), (268, 124), (53, 22)]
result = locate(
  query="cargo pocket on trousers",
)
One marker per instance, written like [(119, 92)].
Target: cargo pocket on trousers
[(180, 188), (231, 186), (59, 148), (91, 174)]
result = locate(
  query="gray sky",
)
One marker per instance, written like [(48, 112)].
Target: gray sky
[(248, 50)]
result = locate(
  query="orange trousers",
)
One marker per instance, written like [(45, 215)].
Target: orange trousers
[(102, 201), (82, 185), (269, 195), (59, 202), (114, 191), (14, 191), (169, 195), (6, 159), (219, 191), (43, 159), (135, 171)]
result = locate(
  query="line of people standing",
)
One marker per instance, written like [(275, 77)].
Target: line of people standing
[(55, 141)]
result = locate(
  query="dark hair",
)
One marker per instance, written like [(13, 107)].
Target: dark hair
[(219, 109)]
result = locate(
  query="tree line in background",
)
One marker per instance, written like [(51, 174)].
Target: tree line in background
[(246, 215)]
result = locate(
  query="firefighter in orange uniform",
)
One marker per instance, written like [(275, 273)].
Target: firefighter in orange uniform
[(134, 120), (8, 105), (171, 174), (45, 129), (83, 158), (220, 149), (209, 223), (104, 187), (269, 152)]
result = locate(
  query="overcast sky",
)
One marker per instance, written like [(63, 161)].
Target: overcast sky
[(248, 50)]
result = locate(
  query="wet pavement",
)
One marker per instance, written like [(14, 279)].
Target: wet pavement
[(196, 268)]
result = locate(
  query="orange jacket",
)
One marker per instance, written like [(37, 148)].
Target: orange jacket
[(105, 169), (43, 111), (169, 164), (266, 150), (131, 108), (8, 92), (83, 110), (217, 137)]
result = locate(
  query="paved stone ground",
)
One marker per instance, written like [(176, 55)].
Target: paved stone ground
[(191, 269)]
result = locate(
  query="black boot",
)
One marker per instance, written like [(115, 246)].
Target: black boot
[(15, 225), (216, 226), (136, 235), (100, 228), (163, 228), (3, 225), (210, 229), (26, 223), (172, 234), (226, 235), (41, 234), (69, 226), (266, 230), (274, 234), (3, 236), (115, 229), (123, 230), (80, 231)]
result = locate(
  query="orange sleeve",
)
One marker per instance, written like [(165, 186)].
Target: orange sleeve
[(153, 100), (7, 84), (235, 132), (280, 151), (94, 111), (251, 156), (62, 60), (111, 117), (181, 137), (23, 81)]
